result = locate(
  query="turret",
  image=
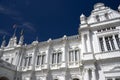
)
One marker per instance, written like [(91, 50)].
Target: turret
[(3, 42), (21, 38), (83, 19)]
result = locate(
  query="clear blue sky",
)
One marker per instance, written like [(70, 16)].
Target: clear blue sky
[(45, 18)]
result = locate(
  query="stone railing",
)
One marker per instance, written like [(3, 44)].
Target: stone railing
[(7, 65), (108, 54)]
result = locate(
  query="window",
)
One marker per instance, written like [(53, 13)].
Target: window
[(113, 27), (89, 73), (41, 59), (104, 29), (108, 28), (98, 30), (53, 58), (27, 61), (76, 55), (117, 78), (107, 44), (73, 55), (117, 40), (7, 59), (38, 59), (57, 57), (112, 43), (109, 79), (113, 78), (101, 44)]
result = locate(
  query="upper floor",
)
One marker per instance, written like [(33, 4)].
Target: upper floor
[(98, 38)]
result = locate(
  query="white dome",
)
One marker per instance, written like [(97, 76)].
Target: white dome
[(98, 5)]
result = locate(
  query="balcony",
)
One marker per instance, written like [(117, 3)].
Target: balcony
[(74, 64), (26, 68), (41, 67), (107, 55), (57, 65), (88, 56)]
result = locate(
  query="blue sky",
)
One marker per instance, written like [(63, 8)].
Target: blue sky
[(45, 18)]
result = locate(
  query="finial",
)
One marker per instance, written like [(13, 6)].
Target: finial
[(82, 15), (22, 31), (49, 40), (37, 38), (4, 37), (64, 37), (15, 29)]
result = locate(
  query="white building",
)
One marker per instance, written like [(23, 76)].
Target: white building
[(93, 54)]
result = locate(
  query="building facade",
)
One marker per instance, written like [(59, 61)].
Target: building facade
[(92, 54)]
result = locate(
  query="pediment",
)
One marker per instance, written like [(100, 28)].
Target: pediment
[(115, 68)]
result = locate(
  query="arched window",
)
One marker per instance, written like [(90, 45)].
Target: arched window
[(98, 18), (75, 79), (106, 16), (3, 78)]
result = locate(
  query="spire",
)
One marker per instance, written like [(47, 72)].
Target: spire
[(21, 37), (3, 42), (15, 29)]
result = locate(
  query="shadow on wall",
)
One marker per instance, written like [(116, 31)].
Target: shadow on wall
[(3, 78)]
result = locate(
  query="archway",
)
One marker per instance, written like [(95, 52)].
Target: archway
[(3, 78), (75, 79)]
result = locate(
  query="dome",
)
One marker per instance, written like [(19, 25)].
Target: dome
[(98, 5)]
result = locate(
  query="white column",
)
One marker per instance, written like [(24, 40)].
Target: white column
[(86, 75), (115, 42), (110, 44), (83, 44), (74, 55), (104, 43), (93, 74), (89, 43)]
